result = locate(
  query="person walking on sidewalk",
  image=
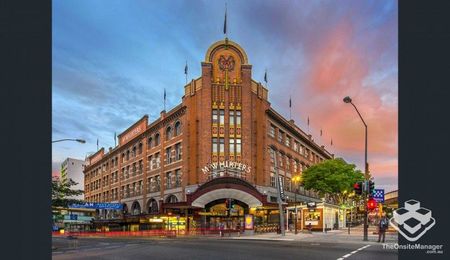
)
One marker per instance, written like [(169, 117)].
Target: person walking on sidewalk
[(382, 227)]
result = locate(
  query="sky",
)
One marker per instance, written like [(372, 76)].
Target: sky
[(113, 59)]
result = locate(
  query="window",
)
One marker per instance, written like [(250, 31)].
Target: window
[(133, 154), (221, 117), (168, 133), (168, 155), (149, 142), (231, 118), (158, 183), (272, 156), (294, 166), (214, 145), (168, 180), (272, 180), (272, 131), (280, 136), (288, 164), (140, 148), (178, 151), (178, 178), (157, 160), (238, 118), (296, 146), (280, 159), (150, 162), (232, 147), (215, 117), (238, 146), (157, 139), (128, 155), (221, 145), (288, 141), (177, 128)]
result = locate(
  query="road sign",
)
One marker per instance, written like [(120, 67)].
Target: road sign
[(378, 195)]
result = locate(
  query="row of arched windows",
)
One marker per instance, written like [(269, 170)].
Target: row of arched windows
[(171, 131)]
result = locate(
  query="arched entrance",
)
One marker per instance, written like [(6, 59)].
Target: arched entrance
[(152, 206), (135, 208), (222, 203), (225, 214)]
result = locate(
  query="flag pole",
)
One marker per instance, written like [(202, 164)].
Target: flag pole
[(290, 108)]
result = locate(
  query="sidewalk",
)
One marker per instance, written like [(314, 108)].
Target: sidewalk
[(333, 236)]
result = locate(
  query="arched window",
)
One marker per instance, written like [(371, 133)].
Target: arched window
[(172, 199), (157, 139), (136, 208), (152, 206), (168, 133), (149, 142), (128, 155), (177, 128), (140, 148)]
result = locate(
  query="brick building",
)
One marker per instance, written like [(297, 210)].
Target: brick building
[(218, 145)]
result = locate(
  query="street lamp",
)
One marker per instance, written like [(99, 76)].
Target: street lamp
[(347, 99), (68, 139), (296, 180)]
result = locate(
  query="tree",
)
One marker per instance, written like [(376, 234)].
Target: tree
[(62, 193), (333, 178)]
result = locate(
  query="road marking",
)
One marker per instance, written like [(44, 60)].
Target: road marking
[(353, 252)]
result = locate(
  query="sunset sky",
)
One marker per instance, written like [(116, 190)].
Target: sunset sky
[(113, 59)]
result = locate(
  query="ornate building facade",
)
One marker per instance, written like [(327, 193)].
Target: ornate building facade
[(217, 147)]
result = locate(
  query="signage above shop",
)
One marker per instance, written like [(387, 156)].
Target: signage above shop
[(223, 165), (311, 206), (94, 205)]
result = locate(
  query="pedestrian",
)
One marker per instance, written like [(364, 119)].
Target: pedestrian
[(382, 227)]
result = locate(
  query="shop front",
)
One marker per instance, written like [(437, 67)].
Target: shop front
[(319, 216)]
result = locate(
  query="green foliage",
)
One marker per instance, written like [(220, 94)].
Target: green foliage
[(334, 178), (62, 191)]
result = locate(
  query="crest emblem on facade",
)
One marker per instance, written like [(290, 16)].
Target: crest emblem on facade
[(226, 63)]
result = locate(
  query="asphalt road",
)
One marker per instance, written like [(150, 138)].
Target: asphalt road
[(213, 248)]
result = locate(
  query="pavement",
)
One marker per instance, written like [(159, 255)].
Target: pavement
[(331, 245)]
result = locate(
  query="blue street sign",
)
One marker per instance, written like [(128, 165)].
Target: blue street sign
[(378, 195), (94, 205), (73, 217)]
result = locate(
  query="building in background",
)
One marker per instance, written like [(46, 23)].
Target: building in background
[(209, 161), (73, 169)]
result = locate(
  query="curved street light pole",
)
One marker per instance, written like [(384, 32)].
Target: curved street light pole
[(69, 139), (347, 99)]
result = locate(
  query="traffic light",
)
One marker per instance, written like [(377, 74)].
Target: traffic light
[(371, 187), (371, 204), (358, 187)]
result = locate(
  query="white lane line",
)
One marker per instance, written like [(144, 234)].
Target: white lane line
[(353, 252)]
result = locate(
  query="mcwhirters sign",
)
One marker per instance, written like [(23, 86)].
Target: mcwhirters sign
[(226, 165)]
